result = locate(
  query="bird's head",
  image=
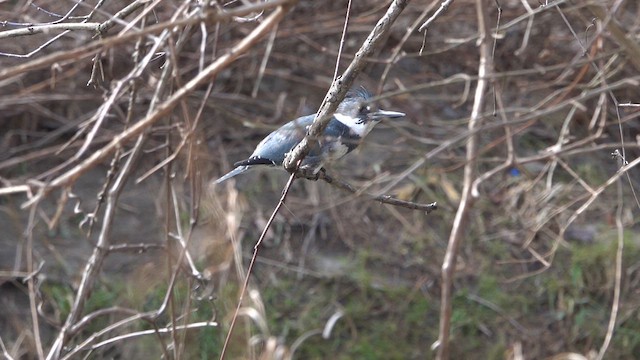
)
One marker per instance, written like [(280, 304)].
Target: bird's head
[(357, 112)]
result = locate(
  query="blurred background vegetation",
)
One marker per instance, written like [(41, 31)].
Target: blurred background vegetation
[(338, 276)]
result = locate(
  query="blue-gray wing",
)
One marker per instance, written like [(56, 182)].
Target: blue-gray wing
[(275, 146), (335, 143)]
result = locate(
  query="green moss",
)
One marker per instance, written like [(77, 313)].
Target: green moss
[(378, 323), (60, 296), (572, 298)]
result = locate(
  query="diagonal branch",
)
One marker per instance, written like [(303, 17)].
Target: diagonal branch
[(342, 83), (385, 199), (91, 48), (163, 109)]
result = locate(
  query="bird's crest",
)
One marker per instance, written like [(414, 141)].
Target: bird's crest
[(358, 92)]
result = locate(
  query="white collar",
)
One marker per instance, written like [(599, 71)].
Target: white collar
[(357, 126)]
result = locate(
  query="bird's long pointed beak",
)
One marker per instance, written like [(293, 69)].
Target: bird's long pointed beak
[(382, 114)]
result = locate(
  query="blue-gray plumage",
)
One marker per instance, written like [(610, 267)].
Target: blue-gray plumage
[(351, 122)]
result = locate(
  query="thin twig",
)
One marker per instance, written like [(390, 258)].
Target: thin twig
[(253, 261), (164, 108), (395, 54), (109, 42), (341, 85), (342, 39), (443, 7), (459, 223), (39, 29), (32, 279), (94, 264), (166, 330), (265, 59), (620, 35), (597, 192), (615, 303), (99, 28), (385, 199), (4, 350), (538, 113)]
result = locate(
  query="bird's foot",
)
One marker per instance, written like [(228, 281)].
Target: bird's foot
[(310, 174)]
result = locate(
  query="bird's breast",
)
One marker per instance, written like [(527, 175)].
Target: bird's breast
[(337, 150)]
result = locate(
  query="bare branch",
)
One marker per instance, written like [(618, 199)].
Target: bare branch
[(466, 201), (167, 330), (164, 108), (615, 303), (443, 7), (341, 85), (632, 48), (256, 247), (90, 49), (385, 199), (45, 29)]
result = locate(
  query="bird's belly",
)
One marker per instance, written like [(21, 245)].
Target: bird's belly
[(336, 151), (328, 154)]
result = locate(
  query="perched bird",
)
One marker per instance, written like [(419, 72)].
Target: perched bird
[(351, 122)]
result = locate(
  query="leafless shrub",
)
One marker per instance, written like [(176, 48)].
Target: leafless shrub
[(116, 115)]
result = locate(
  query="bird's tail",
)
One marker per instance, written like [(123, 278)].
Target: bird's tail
[(237, 171)]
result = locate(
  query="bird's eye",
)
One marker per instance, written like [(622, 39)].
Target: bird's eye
[(365, 109)]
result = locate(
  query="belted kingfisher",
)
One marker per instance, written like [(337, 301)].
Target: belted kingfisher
[(351, 122)]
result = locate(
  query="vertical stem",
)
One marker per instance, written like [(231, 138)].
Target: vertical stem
[(256, 247), (466, 200)]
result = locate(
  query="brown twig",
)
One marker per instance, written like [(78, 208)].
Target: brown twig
[(443, 7), (94, 264), (164, 108), (538, 113), (256, 247), (466, 200), (630, 47), (385, 199), (101, 250), (99, 28), (109, 42), (32, 279), (395, 55), (615, 304)]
